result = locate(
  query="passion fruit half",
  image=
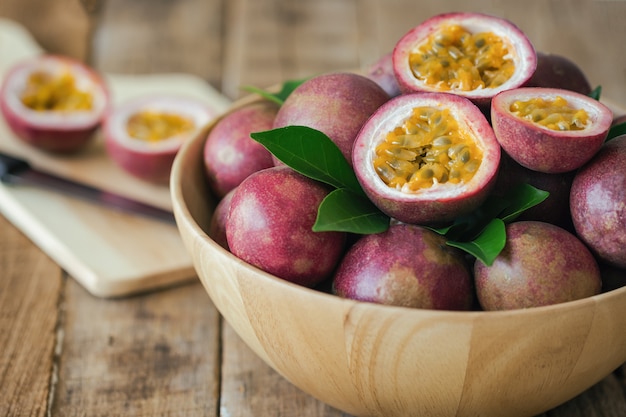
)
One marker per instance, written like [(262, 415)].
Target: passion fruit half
[(53, 103), (470, 54), (549, 130), (426, 158), (144, 134)]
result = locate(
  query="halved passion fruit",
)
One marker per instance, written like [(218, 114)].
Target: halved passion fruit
[(549, 130), (426, 158), (469, 54), (144, 135), (54, 103)]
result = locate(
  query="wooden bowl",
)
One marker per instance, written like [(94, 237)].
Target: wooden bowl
[(375, 360)]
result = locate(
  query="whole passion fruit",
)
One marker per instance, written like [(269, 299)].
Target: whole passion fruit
[(556, 71), (217, 226), (549, 130), (381, 72), (426, 158), (269, 225), (408, 266), (470, 54), (541, 264), (337, 104), (598, 202), (230, 154), (53, 103), (144, 134), (554, 209)]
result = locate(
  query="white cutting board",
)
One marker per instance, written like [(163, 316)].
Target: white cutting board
[(110, 253)]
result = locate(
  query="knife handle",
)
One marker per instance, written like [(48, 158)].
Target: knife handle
[(10, 165)]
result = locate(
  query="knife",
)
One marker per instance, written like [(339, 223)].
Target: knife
[(16, 171)]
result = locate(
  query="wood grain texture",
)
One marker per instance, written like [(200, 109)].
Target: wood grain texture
[(155, 355), (30, 291), (228, 43), (373, 361)]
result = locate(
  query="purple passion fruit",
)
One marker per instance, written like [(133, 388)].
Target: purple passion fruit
[(230, 154), (217, 226), (541, 264), (53, 103), (555, 208), (549, 130), (143, 135), (469, 54), (270, 222), (426, 158), (381, 72), (336, 104), (407, 266), (555, 71), (598, 202)]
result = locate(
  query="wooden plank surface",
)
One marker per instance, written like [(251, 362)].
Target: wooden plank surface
[(168, 353)]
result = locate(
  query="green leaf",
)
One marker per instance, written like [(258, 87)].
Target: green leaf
[(280, 97), (311, 153), (487, 245), (345, 211), (596, 92), (520, 199), (617, 130)]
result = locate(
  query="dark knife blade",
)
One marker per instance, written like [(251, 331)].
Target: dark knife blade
[(16, 171)]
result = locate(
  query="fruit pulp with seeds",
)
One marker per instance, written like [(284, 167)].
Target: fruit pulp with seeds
[(555, 114), (428, 149), (153, 126), (453, 58), (49, 92)]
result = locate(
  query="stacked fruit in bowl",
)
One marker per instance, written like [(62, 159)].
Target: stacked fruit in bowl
[(390, 214)]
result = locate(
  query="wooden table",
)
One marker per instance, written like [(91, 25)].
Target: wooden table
[(64, 352)]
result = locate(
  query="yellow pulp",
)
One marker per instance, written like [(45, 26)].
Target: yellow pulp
[(47, 92), (555, 114), (428, 149), (456, 59), (153, 126)]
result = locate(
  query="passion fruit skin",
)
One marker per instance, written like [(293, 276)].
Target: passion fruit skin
[(556, 71), (522, 51), (554, 209), (230, 154), (542, 149), (381, 72), (270, 222), (408, 266), (150, 162), (62, 134), (337, 104), (598, 202), (436, 205), (541, 264), (217, 226)]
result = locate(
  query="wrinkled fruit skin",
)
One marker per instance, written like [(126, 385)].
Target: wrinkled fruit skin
[(407, 266), (541, 264), (543, 149), (598, 202), (425, 208), (556, 71), (337, 104), (62, 138), (381, 72), (555, 208), (270, 222), (230, 154), (526, 57), (217, 227)]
